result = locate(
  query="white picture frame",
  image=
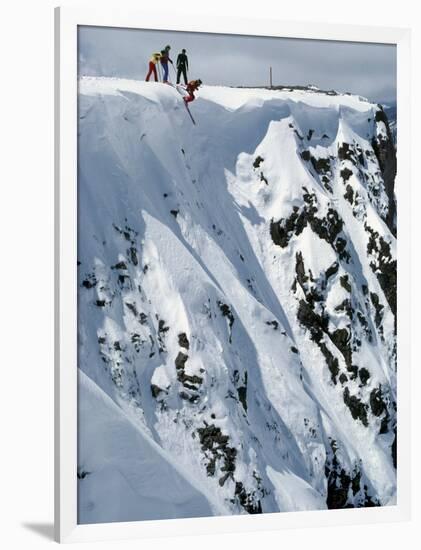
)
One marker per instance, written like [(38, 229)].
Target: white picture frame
[(67, 21)]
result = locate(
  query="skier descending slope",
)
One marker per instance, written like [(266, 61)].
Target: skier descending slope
[(188, 93), (165, 57), (191, 87)]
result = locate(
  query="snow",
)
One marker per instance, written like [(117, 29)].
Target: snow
[(293, 493), (188, 309), (127, 476)]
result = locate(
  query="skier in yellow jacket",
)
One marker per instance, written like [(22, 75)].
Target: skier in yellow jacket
[(152, 66)]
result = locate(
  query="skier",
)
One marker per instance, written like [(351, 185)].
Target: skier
[(152, 66), (192, 86), (182, 66), (165, 57)]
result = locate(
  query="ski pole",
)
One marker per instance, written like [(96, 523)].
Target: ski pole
[(175, 72), (159, 73)]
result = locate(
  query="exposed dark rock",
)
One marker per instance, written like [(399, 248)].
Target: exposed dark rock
[(273, 324), (180, 360), (281, 231), (127, 232), (337, 496), (162, 327), (257, 161), (329, 227), (364, 375), (344, 280), (345, 152), (321, 165), (338, 482), (311, 320), (183, 341), (346, 173), (346, 307), (119, 265), (331, 361), (242, 393), (364, 324), (300, 270), (343, 378), (215, 446), (133, 255), (332, 270), (191, 382), (349, 195), (300, 137), (383, 265), (188, 397), (156, 390), (353, 370), (341, 338), (378, 308), (262, 178), (226, 312), (174, 213), (90, 281), (122, 279), (344, 488), (132, 308), (356, 406), (377, 404), (355, 483), (340, 246), (247, 500), (385, 152)]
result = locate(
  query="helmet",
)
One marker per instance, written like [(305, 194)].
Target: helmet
[(168, 47), (183, 51), (199, 82)]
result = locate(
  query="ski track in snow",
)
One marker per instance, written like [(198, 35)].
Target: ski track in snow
[(237, 341)]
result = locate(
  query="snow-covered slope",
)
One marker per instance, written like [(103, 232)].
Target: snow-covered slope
[(237, 302), (126, 475)]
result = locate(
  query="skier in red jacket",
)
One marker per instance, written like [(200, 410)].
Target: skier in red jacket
[(191, 87)]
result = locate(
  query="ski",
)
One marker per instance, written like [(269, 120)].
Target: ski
[(188, 110), (182, 92)]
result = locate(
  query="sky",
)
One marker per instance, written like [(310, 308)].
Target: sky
[(364, 69)]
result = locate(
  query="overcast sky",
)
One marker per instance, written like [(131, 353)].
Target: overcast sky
[(365, 69)]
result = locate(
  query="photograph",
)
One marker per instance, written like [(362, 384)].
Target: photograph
[(236, 274)]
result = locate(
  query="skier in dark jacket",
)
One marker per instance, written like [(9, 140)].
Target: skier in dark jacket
[(191, 87), (165, 57), (182, 66)]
